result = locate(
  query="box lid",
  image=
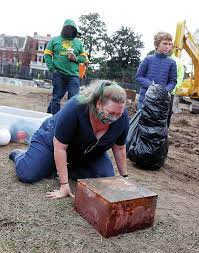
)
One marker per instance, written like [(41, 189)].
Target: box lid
[(115, 189)]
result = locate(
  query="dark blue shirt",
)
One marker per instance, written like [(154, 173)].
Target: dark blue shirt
[(157, 68), (73, 127)]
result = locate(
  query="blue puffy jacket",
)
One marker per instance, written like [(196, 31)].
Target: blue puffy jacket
[(157, 68)]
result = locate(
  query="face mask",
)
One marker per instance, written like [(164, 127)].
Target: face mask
[(106, 118), (68, 32)]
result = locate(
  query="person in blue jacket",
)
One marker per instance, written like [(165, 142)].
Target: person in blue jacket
[(158, 68), (74, 141)]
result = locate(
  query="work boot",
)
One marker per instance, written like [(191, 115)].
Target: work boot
[(15, 153)]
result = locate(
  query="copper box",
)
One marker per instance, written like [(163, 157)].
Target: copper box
[(114, 205)]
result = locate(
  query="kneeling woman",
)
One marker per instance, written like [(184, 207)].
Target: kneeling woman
[(74, 141)]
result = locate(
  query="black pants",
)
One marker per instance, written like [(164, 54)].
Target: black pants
[(170, 111)]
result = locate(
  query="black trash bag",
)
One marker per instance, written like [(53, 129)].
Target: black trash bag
[(147, 140)]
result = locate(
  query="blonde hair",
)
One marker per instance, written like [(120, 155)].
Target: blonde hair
[(160, 36)]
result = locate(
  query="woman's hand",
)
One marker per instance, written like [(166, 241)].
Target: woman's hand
[(64, 192)]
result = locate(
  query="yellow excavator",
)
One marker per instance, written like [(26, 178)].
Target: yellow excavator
[(190, 87)]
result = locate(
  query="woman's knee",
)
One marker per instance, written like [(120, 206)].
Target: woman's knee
[(32, 171), (26, 174)]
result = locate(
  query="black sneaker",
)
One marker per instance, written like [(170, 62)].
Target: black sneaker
[(14, 153)]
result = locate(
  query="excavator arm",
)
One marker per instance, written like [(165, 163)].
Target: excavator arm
[(184, 40), (190, 87)]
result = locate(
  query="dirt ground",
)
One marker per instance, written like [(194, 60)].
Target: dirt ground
[(29, 222)]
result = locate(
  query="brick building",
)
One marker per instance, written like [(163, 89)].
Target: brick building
[(38, 46), (15, 49), (25, 52)]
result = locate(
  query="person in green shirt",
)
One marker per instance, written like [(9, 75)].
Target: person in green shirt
[(63, 55), (180, 77)]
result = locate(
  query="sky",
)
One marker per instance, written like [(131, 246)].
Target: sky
[(146, 17)]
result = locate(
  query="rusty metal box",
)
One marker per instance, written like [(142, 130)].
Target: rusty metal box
[(114, 205)]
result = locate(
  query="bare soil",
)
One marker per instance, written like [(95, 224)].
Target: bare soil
[(29, 222)]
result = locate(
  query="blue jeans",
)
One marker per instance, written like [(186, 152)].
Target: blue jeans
[(62, 84), (38, 161)]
